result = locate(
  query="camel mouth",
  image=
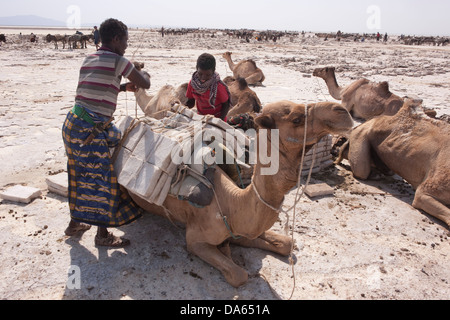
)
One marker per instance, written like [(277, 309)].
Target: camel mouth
[(334, 128)]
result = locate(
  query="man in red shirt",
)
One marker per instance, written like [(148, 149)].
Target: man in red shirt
[(207, 90)]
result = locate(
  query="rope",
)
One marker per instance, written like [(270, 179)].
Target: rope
[(296, 199)]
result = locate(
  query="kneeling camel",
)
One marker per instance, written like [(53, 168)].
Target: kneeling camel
[(251, 212), (413, 146)]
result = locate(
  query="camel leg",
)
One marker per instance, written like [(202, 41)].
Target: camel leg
[(270, 241), (235, 275), (431, 206), (359, 154)]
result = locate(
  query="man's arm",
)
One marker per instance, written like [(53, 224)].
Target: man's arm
[(140, 79), (225, 109)]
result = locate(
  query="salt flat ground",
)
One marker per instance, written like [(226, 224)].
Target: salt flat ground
[(364, 242)]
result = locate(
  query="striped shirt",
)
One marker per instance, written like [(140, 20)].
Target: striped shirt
[(99, 81)]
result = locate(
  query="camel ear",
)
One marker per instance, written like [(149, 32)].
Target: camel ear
[(265, 122)]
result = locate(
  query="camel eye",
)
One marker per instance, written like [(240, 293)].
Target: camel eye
[(298, 120)]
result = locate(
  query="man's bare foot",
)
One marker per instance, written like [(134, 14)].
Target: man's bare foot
[(111, 240)]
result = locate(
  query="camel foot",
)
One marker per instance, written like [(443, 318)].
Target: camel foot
[(234, 275), (237, 277)]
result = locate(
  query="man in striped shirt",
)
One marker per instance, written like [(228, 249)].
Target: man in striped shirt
[(95, 197)]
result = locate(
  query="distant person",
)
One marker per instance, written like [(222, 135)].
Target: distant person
[(378, 36), (96, 38), (207, 90), (95, 197), (385, 37), (162, 32)]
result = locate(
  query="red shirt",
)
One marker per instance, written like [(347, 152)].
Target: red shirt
[(202, 100)]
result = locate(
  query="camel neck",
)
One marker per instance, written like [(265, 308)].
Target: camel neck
[(333, 87)]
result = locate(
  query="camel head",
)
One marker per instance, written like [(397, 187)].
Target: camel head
[(180, 93), (290, 118), (412, 106), (138, 65), (324, 73), (285, 135), (227, 55)]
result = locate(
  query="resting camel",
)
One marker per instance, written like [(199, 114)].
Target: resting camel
[(363, 99), (245, 69), (164, 99), (243, 99), (250, 213), (413, 146)]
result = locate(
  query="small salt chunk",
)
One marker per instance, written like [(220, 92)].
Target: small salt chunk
[(19, 193), (319, 189)]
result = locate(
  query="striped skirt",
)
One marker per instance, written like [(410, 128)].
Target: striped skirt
[(94, 193)]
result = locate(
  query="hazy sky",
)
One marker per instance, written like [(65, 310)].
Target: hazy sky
[(392, 16)]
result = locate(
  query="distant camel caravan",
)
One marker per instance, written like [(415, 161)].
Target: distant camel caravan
[(411, 145), (246, 69), (246, 215)]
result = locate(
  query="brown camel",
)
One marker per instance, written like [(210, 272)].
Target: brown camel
[(413, 146), (245, 69), (243, 99), (164, 99), (249, 213), (363, 99)]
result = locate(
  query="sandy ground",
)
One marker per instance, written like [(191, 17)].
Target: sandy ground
[(364, 242)]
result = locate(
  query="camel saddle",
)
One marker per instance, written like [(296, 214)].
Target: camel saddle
[(152, 159)]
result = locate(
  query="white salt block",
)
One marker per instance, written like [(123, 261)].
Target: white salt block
[(58, 184), (20, 193), (319, 189)]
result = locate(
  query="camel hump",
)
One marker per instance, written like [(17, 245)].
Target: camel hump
[(322, 72), (252, 62)]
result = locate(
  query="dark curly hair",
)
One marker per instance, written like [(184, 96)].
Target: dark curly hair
[(206, 61), (111, 28)]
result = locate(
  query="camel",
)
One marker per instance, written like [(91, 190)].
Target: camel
[(243, 99), (245, 69), (363, 99), (164, 99), (411, 145), (244, 216)]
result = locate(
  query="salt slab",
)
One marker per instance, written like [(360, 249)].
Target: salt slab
[(319, 189), (58, 184), (20, 193)]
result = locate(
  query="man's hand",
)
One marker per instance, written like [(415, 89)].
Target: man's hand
[(129, 86)]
